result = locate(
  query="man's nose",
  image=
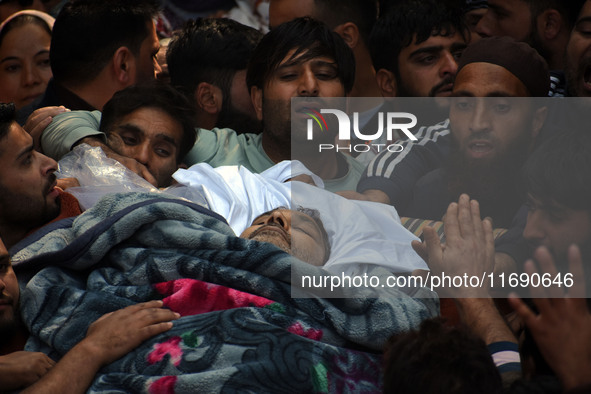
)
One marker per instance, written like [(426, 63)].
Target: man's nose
[(279, 217), (308, 85), (533, 230), (48, 165), (449, 65), (141, 154), (480, 120)]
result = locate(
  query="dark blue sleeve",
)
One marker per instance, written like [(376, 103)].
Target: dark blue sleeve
[(396, 173)]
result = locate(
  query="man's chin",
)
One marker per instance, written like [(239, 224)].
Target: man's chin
[(52, 211), (8, 327)]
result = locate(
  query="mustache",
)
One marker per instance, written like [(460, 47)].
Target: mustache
[(6, 299), (264, 228), (482, 136), (446, 81), (50, 181)]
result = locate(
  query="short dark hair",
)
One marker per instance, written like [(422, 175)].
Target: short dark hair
[(568, 9), (558, 171), (315, 215), (7, 116), (408, 20), (87, 33), (439, 359), (153, 94), (209, 50), (310, 38), (363, 13), (22, 20)]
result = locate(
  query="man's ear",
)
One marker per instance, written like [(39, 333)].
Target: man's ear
[(209, 98), (124, 67), (183, 166), (349, 33), (538, 121), (386, 82), (549, 24), (256, 95)]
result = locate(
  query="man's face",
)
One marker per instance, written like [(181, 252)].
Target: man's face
[(147, 62), (237, 111), (281, 11), (150, 136), (315, 78), (485, 122), (506, 18), (557, 227), (27, 180), (472, 18), (294, 232), (578, 55), (9, 295), (428, 69)]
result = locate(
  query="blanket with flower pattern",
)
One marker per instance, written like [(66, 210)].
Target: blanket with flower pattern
[(240, 328)]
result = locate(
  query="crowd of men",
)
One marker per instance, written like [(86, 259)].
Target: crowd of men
[(493, 151)]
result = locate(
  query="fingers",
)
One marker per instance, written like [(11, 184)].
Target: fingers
[(526, 314), (65, 183), (538, 293), (465, 216), (144, 173), (489, 237), (450, 222), (477, 223), (153, 330), (547, 266), (146, 314), (575, 264), (39, 120), (421, 249), (433, 247)]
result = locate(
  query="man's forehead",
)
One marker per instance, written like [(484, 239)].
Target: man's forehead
[(158, 118), (488, 79), (546, 204), (447, 34), (15, 132), (505, 5)]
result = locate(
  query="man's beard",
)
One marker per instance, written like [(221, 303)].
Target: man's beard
[(28, 213), (9, 327), (494, 183), (232, 118)]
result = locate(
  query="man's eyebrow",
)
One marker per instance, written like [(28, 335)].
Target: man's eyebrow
[(457, 46), (429, 50), (130, 127), (497, 8), (9, 58), (4, 258), (25, 152), (550, 206), (166, 138), (306, 218), (584, 19), (496, 93)]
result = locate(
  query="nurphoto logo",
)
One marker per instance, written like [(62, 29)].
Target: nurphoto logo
[(395, 121)]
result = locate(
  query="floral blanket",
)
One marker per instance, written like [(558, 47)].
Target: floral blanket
[(240, 328)]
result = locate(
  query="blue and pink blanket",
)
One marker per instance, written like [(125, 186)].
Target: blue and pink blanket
[(240, 328)]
